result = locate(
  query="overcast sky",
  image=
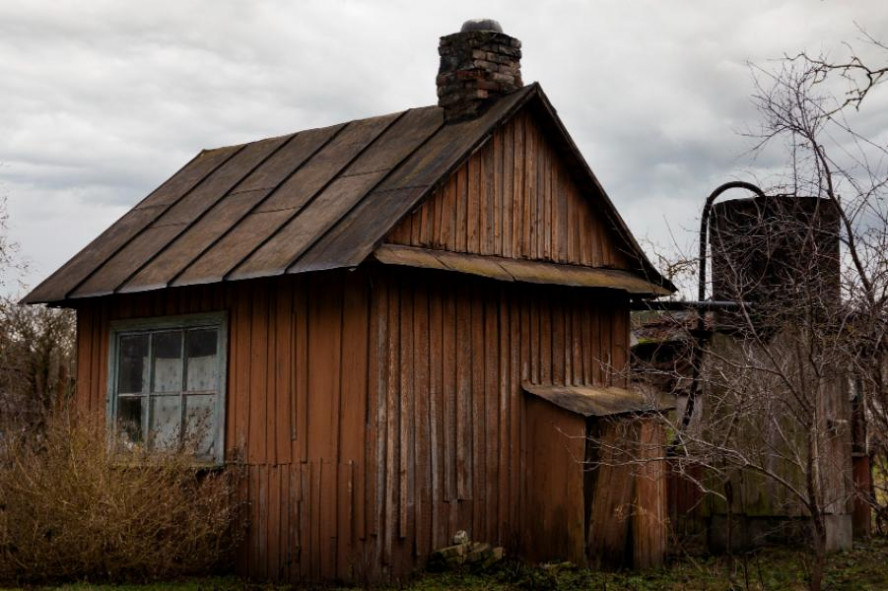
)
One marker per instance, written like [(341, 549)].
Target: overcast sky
[(103, 100)]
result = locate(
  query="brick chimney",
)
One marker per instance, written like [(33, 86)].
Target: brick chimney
[(478, 65)]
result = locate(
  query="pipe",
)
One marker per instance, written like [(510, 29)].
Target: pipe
[(705, 306), (697, 350)]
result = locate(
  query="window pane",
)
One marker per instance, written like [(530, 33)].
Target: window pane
[(129, 421), (200, 414), (132, 366), (202, 367), (165, 421), (167, 347)]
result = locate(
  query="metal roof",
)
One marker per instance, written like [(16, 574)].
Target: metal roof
[(315, 200)]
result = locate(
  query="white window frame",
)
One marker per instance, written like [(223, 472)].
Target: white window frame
[(122, 328)]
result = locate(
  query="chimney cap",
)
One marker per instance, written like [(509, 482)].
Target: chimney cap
[(481, 24)]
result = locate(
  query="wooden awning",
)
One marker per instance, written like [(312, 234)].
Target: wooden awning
[(598, 401), (505, 269)]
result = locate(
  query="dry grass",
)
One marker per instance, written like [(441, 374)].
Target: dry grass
[(72, 510)]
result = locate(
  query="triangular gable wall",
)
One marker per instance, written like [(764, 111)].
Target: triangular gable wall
[(515, 198)]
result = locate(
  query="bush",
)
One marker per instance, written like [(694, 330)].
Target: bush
[(37, 350), (70, 509)]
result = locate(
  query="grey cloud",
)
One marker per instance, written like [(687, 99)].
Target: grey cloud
[(103, 100)]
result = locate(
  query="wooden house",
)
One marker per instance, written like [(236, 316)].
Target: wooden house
[(355, 311)]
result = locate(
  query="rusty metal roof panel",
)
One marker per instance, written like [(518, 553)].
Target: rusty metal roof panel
[(191, 243), (116, 270), (229, 212), (319, 199), (527, 271), (287, 160), (287, 202), (601, 401), (409, 131), (363, 228), (57, 286)]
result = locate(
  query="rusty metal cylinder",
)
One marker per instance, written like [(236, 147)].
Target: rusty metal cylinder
[(778, 253)]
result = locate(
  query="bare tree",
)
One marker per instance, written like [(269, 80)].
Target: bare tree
[(36, 364), (772, 429), (36, 351)]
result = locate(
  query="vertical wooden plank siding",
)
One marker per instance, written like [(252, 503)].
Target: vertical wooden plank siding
[(557, 438), (649, 520), (378, 411), (468, 348), (514, 198)]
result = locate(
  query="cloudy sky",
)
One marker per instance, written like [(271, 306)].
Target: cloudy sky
[(102, 100)]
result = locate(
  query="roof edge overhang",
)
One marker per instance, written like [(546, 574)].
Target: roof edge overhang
[(584, 175), (531, 96), (519, 270), (600, 401)]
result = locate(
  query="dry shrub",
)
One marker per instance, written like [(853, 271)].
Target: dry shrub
[(72, 509)]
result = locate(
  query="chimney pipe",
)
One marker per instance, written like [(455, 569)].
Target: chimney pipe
[(478, 65)]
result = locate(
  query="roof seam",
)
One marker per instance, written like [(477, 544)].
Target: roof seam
[(370, 191), (258, 204), (129, 241), (429, 189), (314, 196), (345, 176), (200, 216)]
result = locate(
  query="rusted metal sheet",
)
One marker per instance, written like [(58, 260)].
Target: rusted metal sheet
[(191, 243), (342, 189), (58, 285), (504, 269), (116, 270), (599, 401), (363, 228), (287, 203), (402, 134)]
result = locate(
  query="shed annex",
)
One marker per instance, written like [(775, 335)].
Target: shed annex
[(353, 311)]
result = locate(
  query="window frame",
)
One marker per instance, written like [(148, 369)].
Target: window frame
[(149, 325)]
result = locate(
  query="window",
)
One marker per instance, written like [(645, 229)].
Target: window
[(166, 384)]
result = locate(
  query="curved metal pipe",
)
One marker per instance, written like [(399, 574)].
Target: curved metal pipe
[(697, 350), (704, 227)]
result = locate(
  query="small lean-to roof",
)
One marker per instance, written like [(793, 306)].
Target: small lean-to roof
[(314, 200), (600, 401)]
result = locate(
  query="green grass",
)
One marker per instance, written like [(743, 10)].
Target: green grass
[(861, 569)]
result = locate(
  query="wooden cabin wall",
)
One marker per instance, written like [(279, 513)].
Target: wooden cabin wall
[(514, 198), (295, 408), (449, 405), (556, 444), (378, 412)]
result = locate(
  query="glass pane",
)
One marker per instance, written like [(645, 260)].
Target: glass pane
[(132, 364), (129, 421), (200, 413), (167, 348), (200, 346), (165, 422)]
